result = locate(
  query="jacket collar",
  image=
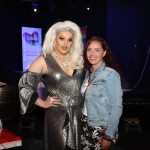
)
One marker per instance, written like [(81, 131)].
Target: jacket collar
[(99, 69)]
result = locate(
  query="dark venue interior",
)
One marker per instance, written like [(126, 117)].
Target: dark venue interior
[(124, 24)]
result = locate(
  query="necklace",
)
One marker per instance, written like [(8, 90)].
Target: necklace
[(64, 60)]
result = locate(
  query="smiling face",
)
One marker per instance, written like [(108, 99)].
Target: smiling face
[(63, 42), (95, 54)]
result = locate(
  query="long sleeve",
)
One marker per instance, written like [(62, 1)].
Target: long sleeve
[(28, 91), (115, 95)]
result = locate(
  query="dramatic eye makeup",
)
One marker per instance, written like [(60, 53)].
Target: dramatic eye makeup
[(70, 40), (61, 38)]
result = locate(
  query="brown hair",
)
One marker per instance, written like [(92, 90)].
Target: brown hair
[(108, 58)]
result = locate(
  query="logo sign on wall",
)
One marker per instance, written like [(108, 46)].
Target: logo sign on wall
[(31, 45)]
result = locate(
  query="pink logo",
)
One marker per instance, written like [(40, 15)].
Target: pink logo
[(32, 39)]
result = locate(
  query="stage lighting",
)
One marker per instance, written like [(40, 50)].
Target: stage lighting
[(88, 6), (35, 7)]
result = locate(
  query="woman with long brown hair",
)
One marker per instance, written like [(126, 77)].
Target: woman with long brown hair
[(103, 96)]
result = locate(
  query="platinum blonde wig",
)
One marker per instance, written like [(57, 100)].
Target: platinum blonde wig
[(76, 51)]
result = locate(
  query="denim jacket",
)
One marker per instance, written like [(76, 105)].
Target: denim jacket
[(103, 99)]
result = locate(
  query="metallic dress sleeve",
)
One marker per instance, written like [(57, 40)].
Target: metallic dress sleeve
[(27, 85)]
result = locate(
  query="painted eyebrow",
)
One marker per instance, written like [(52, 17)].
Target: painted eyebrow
[(61, 36)]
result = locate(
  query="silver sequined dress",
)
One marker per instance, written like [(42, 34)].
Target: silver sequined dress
[(62, 123)]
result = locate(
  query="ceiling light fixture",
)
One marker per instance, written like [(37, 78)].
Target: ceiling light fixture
[(35, 7)]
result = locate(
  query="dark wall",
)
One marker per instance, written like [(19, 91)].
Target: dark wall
[(128, 33), (10, 35)]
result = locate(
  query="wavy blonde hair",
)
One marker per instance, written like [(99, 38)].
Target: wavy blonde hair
[(76, 51)]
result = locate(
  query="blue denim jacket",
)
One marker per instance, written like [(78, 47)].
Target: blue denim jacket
[(103, 99)]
